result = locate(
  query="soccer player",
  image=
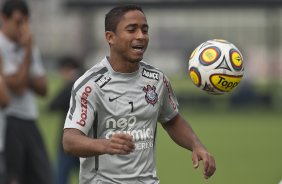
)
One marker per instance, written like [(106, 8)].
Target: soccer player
[(26, 157), (115, 107)]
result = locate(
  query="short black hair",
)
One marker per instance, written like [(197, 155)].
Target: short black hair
[(114, 16), (9, 6)]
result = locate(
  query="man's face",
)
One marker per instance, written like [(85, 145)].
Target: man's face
[(13, 24), (131, 37)]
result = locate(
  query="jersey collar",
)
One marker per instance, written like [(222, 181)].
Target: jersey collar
[(114, 73)]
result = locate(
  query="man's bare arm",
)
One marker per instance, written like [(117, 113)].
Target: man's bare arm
[(77, 144), (182, 134)]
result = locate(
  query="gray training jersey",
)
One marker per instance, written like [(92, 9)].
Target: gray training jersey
[(105, 102)]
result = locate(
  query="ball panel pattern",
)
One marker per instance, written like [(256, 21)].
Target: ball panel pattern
[(209, 55), (236, 59), (195, 76)]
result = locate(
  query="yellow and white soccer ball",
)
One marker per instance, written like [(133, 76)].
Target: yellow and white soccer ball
[(216, 66)]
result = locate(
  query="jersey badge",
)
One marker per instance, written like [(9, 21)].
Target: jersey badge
[(102, 81), (151, 96)]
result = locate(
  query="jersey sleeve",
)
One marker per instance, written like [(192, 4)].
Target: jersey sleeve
[(169, 104), (37, 68), (82, 109), (7, 64)]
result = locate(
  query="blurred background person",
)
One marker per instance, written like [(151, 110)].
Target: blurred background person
[(26, 157), (70, 69), (4, 101)]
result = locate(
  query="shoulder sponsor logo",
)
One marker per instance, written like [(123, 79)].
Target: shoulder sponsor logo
[(170, 92), (83, 104), (102, 81), (150, 74)]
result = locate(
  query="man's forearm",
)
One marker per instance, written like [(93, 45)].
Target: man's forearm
[(39, 85), (19, 81), (182, 133), (79, 145)]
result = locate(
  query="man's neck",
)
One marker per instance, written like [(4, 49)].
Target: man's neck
[(123, 66)]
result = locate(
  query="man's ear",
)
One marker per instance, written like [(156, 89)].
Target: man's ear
[(110, 37)]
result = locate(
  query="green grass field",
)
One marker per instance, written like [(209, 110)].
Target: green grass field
[(246, 144)]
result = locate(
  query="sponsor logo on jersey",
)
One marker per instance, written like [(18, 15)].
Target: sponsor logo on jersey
[(143, 137), (83, 104), (128, 122), (113, 99), (170, 93), (138, 135), (150, 74), (102, 81), (151, 96)]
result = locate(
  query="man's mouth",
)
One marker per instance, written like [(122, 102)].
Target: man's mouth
[(139, 48)]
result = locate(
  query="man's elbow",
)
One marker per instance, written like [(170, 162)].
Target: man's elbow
[(67, 145), (19, 90), (39, 86), (4, 102), (43, 92), (40, 89)]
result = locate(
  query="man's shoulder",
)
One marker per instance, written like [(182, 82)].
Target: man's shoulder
[(146, 65), (91, 75), (3, 40)]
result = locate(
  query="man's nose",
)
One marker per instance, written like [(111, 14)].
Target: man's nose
[(140, 34)]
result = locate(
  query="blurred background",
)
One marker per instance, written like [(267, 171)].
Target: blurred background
[(76, 27), (241, 129)]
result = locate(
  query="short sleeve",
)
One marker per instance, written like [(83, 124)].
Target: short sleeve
[(169, 104), (37, 68), (81, 112), (8, 65)]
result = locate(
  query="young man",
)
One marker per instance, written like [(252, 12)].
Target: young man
[(115, 107), (26, 157)]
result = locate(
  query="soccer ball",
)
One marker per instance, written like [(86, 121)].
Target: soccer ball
[(216, 66)]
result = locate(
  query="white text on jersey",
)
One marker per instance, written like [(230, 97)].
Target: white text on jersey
[(102, 81), (126, 125), (150, 74)]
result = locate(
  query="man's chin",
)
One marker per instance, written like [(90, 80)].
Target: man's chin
[(136, 60)]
